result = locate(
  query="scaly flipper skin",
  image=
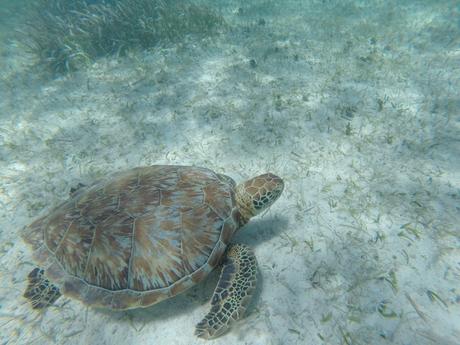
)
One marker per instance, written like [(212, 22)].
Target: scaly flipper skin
[(233, 292), (40, 292)]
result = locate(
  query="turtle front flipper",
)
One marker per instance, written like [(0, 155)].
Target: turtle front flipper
[(40, 292), (233, 292)]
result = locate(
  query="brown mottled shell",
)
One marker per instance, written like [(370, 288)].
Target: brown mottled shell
[(137, 237)]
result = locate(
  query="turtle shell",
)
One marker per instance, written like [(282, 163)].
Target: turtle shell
[(136, 237)]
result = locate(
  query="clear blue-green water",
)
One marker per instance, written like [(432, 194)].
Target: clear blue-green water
[(355, 104)]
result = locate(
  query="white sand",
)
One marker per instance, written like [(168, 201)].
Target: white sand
[(355, 105)]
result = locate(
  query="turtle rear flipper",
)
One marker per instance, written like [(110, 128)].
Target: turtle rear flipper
[(75, 189), (233, 292), (40, 292)]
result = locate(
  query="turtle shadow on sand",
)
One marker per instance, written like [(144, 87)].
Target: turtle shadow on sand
[(261, 229), (254, 233), (170, 308)]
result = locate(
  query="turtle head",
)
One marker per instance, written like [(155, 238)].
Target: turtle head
[(257, 194)]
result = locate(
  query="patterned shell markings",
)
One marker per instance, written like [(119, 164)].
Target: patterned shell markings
[(139, 231)]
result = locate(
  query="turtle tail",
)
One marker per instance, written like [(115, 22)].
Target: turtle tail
[(40, 292)]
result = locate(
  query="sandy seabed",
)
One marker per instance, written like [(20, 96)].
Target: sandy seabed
[(354, 103)]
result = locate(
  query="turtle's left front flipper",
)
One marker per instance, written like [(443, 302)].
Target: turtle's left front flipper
[(233, 292)]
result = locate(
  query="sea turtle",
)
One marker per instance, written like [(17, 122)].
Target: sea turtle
[(140, 236)]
